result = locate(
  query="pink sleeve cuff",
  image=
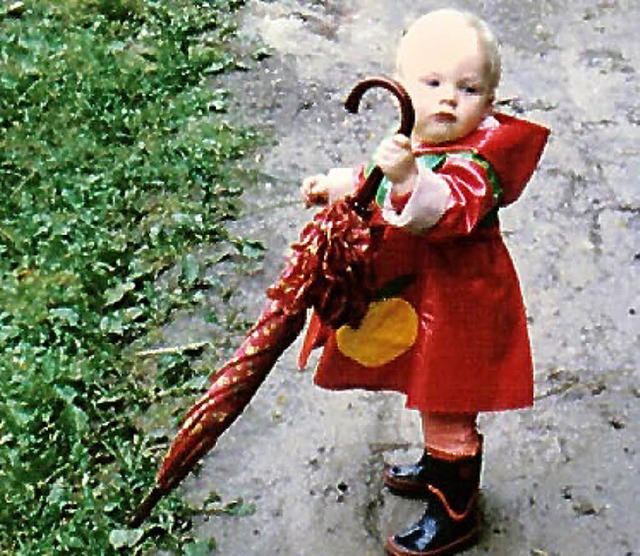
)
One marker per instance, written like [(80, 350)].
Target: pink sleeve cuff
[(423, 207)]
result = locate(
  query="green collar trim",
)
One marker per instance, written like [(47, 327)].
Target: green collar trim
[(430, 161), (434, 161)]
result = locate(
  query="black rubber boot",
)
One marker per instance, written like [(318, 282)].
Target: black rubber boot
[(450, 520), (410, 480), (413, 480)]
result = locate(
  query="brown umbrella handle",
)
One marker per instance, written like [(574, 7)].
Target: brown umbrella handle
[(367, 192)]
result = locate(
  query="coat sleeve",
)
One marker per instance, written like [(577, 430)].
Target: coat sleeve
[(449, 202)]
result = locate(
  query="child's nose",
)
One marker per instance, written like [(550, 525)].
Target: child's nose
[(448, 95)]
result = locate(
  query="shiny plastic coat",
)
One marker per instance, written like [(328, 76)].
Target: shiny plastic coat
[(469, 349)]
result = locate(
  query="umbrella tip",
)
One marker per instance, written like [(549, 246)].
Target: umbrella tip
[(146, 506)]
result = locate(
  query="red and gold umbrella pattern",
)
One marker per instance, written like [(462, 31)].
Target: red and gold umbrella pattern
[(330, 270)]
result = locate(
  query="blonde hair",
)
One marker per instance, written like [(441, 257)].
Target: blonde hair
[(486, 38)]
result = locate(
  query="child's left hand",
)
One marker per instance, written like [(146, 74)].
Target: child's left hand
[(396, 159)]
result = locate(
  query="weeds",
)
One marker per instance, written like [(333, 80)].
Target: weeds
[(114, 165)]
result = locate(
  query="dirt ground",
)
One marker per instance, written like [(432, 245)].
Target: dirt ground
[(560, 479)]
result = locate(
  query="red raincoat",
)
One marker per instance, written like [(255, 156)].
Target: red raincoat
[(449, 327)]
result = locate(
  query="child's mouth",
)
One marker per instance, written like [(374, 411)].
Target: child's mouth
[(445, 118)]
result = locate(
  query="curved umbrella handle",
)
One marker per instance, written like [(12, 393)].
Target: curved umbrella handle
[(367, 192)]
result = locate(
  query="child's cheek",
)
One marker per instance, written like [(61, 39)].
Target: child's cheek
[(421, 104)]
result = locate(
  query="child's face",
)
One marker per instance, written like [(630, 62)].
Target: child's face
[(447, 78)]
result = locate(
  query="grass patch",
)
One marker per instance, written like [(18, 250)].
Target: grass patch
[(115, 165)]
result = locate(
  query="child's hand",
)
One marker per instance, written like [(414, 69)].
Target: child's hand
[(315, 190), (322, 189), (395, 158)]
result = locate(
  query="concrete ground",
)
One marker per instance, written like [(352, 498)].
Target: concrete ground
[(560, 479)]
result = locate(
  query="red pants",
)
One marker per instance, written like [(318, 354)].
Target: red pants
[(451, 435)]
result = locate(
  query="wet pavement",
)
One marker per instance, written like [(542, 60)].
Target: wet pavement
[(560, 479)]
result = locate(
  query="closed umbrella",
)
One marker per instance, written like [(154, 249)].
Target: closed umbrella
[(330, 270)]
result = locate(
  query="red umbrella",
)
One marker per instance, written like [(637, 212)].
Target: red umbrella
[(330, 269)]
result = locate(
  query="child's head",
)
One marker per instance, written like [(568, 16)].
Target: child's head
[(449, 63)]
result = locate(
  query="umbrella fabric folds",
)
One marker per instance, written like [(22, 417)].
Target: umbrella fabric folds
[(329, 270)]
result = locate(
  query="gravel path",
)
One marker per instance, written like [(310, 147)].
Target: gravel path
[(561, 479)]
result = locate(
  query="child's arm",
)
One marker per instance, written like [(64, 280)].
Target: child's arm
[(446, 203), (327, 188), (419, 198), (394, 157)]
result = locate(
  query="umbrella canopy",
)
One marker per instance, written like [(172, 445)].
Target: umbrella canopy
[(330, 270)]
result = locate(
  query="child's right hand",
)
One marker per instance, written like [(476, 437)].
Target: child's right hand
[(327, 188), (315, 190)]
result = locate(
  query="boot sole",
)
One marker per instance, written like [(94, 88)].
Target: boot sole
[(454, 547)]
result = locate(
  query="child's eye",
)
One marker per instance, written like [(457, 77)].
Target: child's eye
[(471, 89), (432, 82)]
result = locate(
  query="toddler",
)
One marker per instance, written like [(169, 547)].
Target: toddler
[(447, 326)]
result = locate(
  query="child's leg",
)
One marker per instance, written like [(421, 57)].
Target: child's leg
[(452, 435), (448, 475), (446, 435)]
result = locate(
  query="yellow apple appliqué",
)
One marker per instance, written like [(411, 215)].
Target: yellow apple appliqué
[(388, 330)]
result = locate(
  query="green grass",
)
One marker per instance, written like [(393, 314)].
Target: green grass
[(116, 163)]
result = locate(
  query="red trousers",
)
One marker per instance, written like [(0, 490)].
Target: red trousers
[(451, 435)]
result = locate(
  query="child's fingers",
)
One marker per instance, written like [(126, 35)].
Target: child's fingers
[(386, 149), (316, 199), (393, 151), (307, 185), (395, 157), (384, 155), (312, 185), (314, 191), (401, 141), (398, 146)]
